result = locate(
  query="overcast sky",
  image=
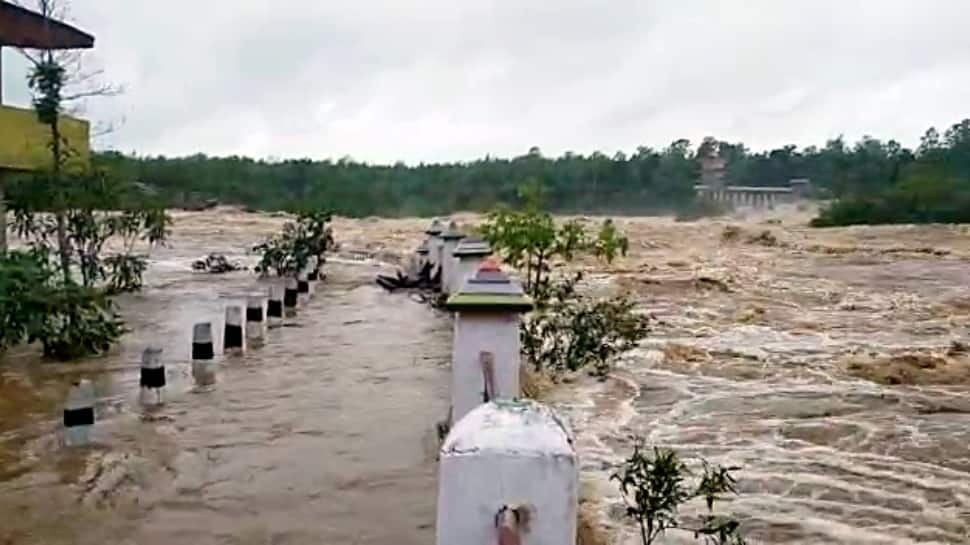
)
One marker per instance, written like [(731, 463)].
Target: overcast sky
[(433, 80)]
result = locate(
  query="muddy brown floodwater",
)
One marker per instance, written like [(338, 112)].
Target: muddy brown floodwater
[(833, 366), (325, 435)]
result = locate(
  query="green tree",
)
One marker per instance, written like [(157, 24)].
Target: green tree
[(69, 211)]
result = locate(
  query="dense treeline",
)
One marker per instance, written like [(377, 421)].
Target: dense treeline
[(648, 180), (930, 185)]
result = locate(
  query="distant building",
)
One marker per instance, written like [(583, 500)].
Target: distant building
[(713, 169)]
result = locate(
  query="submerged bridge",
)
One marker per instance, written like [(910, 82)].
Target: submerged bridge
[(713, 186), (755, 196)]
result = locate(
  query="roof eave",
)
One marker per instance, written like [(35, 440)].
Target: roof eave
[(20, 27)]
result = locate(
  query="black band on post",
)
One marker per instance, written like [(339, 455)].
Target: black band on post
[(152, 377), (303, 286), (233, 337), (274, 309), (202, 351), (79, 417), (254, 314), (290, 298)]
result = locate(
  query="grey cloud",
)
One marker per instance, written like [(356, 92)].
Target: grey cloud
[(439, 80)]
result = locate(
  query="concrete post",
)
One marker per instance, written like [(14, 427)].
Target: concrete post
[(291, 296), (203, 355), (313, 269), (469, 255), (303, 287), (508, 474), (79, 414), (422, 258), (255, 324), (152, 376), (486, 356), (434, 252), (274, 307), (434, 241), (233, 339), (449, 241)]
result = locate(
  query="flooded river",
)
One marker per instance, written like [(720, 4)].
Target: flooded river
[(832, 365), (324, 435)]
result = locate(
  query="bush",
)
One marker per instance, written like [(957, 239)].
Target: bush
[(22, 275), (290, 251), (77, 322), (654, 487), (915, 200), (569, 332), (70, 321), (531, 241)]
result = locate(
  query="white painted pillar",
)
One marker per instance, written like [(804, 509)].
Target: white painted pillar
[(79, 414), (508, 467), (255, 320), (486, 351), (449, 241), (469, 255), (291, 296), (203, 355), (274, 306), (303, 287), (313, 270), (152, 379)]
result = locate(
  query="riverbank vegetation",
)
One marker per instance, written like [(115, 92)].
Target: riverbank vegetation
[(928, 185)]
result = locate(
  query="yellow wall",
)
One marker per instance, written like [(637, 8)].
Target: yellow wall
[(24, 141)]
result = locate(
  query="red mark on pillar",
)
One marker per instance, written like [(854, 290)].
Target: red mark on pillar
[(489, 265)]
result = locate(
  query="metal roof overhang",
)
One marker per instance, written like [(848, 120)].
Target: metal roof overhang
[(20, 27)]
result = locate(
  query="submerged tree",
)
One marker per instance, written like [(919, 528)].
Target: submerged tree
[(289, 252)]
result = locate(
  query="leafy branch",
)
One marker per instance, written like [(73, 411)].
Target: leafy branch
[(654, 486)]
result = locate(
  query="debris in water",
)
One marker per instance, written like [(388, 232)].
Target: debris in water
[(912, 368), (764, 238), (216, 264), (730, 233)]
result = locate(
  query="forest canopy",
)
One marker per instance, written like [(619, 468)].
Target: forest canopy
[(872, 180)]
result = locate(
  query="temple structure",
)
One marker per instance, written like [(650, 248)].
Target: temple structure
[(713, 186)]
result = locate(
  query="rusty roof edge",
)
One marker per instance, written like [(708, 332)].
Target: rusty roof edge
[(20, 27)]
